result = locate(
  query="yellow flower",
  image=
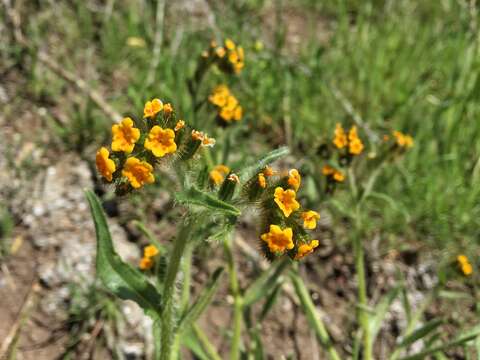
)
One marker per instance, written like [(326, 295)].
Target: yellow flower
[(294, 179), (219, 95), (125, 136), (305, 249), (310, 218), (167, 109), (138, 172), (220, 52), (465, 265), (338, 176), (160, 141), (145, 263), (237, 114), (467, 269), (268, 171), (285, 199), (180, 125), (217, 175), (150, 251), (340, 139), (229, 44), (355, 147), (403, 140), (262, 181), (152, 108), (105, 166), (278, 240), (208, 141), (327, 170), (198, 135)]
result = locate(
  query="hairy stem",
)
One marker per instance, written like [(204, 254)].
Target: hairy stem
[(168, 325), (363, 315), (238, 302)]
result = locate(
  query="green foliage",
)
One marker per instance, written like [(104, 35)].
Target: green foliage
[(119, 277)]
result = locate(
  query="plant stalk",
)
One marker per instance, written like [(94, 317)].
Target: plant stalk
[(167, 321), (363, 315), (237, 302), (315, 321)]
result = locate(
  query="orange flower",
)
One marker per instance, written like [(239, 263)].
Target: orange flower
[(327, 170), (198, 135), (180, 125), (145, 263), (208, 141), (294, 179), (338, 176), (268, 171), (310, 218), (152, 108), (105, 166), (286, 201), (219, 96), (305, 249), (138, 172), (217, 175), (168, 109), (278, 239), (160, 141), (340, 139), (262, 181), (125, 136), (150, 251), (355, 147)]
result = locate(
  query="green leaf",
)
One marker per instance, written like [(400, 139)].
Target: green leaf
[(203, 300), (250, 171), (458, 341), (381, 311), (265, 282), (193, 196), (117, 276), (421, 332), (270, 301), (190, 341)]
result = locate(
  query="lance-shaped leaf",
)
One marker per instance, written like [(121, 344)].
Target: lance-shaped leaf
[(421, 332), (250, 171), (458, 341), (381, 311), (203, 300), (117, 276), (193, 196)]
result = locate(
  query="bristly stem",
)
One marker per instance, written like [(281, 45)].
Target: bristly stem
[(238, 301), (363, 315), (168, 326)]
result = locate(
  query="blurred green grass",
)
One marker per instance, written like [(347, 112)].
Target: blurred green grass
[(406, 65)]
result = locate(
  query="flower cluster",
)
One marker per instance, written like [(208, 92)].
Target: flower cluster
[(351, 142), (402, 140), (227, 105), (137, 146), (149, 253), (464, 265), (230, 58), (285, 222)]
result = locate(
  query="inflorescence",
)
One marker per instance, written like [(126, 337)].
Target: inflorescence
[(139, 145)]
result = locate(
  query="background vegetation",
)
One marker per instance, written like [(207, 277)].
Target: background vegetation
[(405, 65)]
